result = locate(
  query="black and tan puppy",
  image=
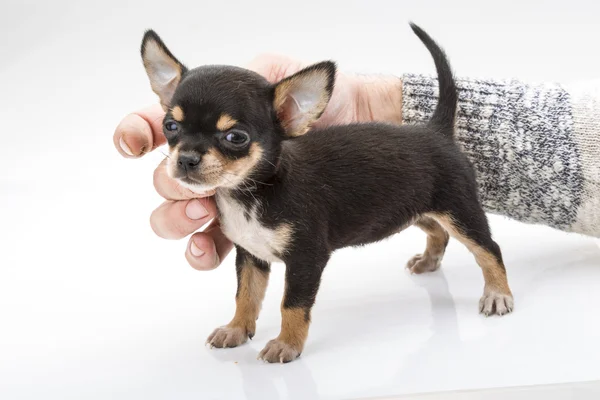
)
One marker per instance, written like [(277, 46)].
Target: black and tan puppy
[(288, 193)]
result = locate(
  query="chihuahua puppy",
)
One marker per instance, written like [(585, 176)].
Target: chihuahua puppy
[(292, 194)]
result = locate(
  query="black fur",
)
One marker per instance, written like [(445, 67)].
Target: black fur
[(340, 186), (445, 111), (212, 90)]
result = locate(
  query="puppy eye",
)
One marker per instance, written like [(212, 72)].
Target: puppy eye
[(237, 137), (171, 126)]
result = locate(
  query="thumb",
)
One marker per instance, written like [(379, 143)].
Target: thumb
[(140, 132)]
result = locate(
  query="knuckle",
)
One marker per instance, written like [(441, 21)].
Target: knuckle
[(167, 224), (179, 228)]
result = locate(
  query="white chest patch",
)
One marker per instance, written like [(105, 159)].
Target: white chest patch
[(244, 229)]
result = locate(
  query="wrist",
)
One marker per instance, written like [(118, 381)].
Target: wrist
[(378, 99)]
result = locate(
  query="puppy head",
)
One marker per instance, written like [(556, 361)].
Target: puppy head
[(224, 125)]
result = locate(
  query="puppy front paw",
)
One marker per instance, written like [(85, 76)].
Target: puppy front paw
[(227, 336), (495, 302), (423, 263), (277, 351)]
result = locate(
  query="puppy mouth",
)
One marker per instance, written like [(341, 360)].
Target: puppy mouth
[(196, 186), (200, 182), (188, 180)]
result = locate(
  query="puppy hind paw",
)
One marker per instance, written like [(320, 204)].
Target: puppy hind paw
[(422, 263), (496, 303)]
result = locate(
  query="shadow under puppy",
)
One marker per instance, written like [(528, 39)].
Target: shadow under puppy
[(288, 193)]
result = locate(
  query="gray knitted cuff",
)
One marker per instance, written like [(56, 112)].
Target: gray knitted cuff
[(520, 140)]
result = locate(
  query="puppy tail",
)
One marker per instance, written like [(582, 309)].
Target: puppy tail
[(445, 111)]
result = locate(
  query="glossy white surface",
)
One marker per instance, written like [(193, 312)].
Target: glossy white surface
[(572, 391), (93, 305)]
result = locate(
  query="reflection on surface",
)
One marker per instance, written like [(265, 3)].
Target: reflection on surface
[(295, 380), (263, 381), (444, 339)]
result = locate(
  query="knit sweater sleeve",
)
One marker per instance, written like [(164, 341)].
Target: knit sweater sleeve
[(535, 148)]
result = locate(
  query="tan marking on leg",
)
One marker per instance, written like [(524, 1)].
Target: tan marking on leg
[(226, 122), (290, 342), (177, 113), (294, 327), (253, 285), (251, 292), (497, 294), (437, 239)]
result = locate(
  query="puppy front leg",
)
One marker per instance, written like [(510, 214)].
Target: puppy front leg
[(302, 279), (252, 276)]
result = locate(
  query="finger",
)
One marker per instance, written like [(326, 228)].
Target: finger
[(206, 250), (140, 132), (177, 219), (274, 67), (170, 189)]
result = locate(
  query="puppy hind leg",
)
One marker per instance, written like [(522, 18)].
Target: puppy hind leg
[(437, 240), (473, 231)]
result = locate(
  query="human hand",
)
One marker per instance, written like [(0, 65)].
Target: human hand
[(183, 212), (355, 99)]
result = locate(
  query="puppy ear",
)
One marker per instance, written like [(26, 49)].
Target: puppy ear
[(300, 99), (163, 69)]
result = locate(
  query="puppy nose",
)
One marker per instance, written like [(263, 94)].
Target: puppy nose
[(188, 161)]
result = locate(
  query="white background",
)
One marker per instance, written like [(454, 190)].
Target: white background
[(93, 305)]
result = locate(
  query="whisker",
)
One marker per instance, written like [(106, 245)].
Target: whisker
[(247, 177), (274, 166), (244, 188), (262, 183)]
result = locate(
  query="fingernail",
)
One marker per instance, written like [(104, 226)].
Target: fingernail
[(125, 147), (195, 210), (195, 250)]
